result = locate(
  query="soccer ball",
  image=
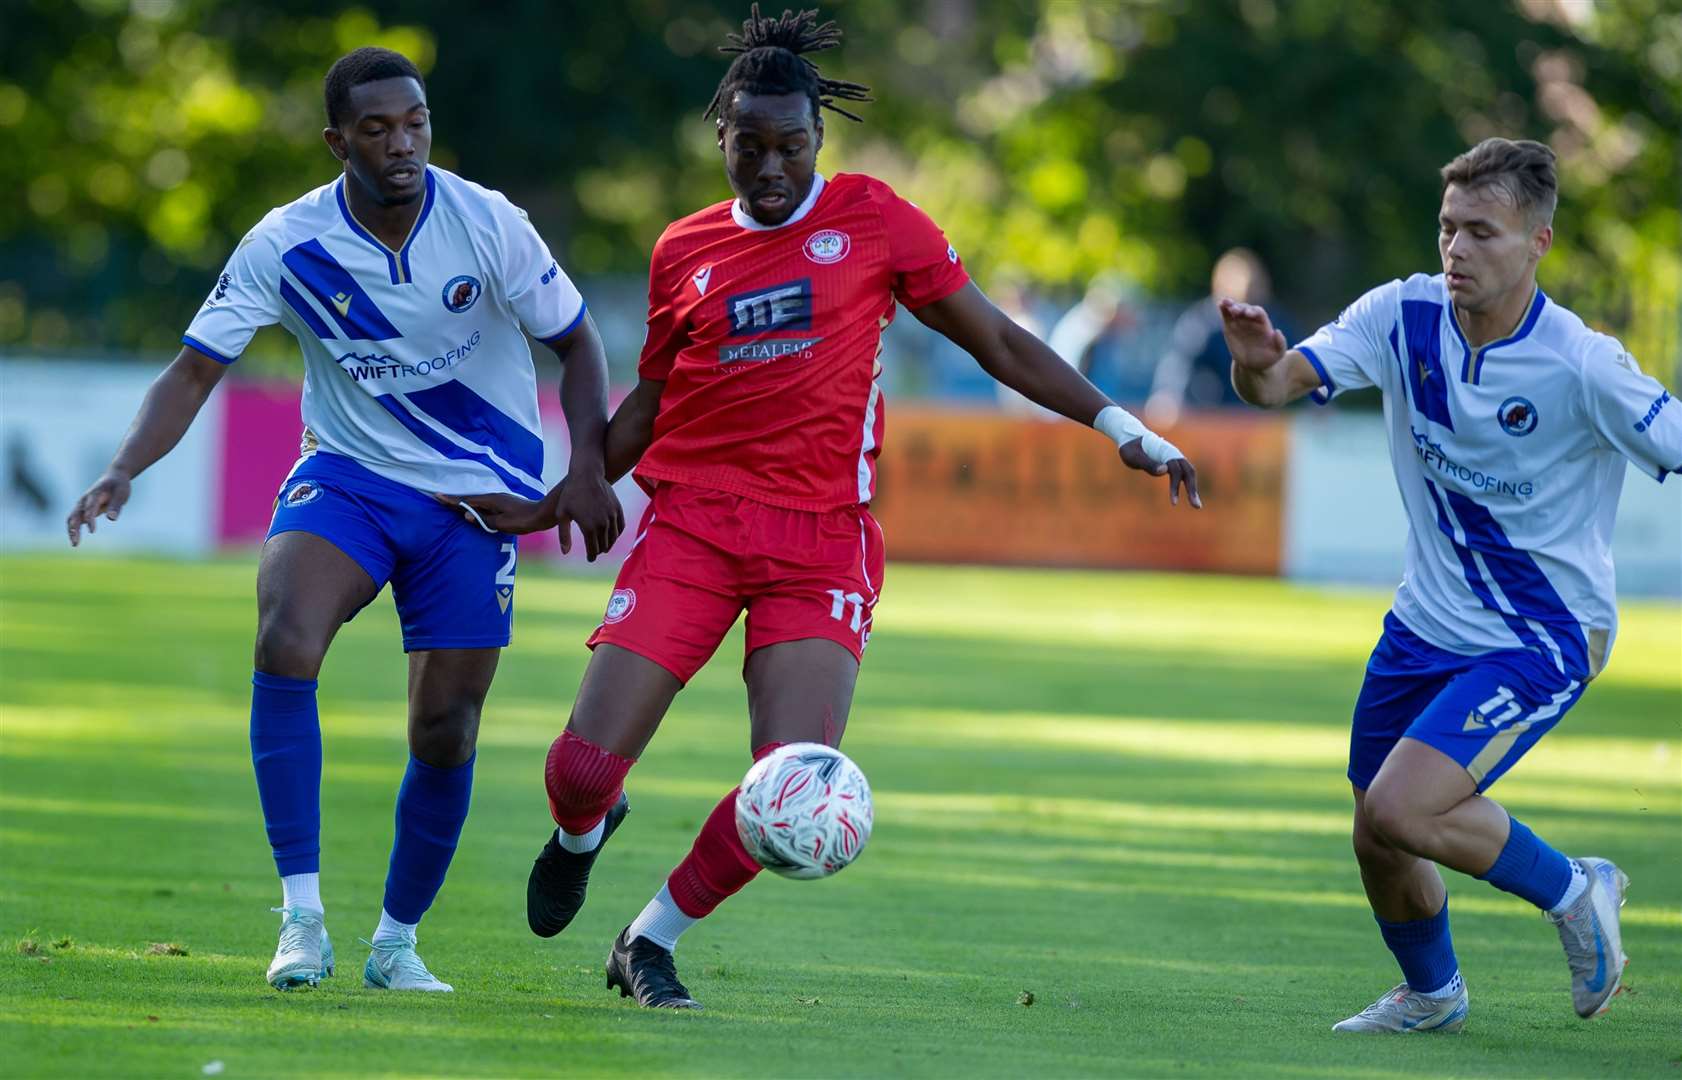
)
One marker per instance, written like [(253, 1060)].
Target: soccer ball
[(804, 810)]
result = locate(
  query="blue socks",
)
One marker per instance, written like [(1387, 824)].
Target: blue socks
[(286, 753), (1529, 868), (431, 807), (1424, 949)]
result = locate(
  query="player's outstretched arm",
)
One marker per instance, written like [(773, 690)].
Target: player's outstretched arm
[(631, 430), (166, 413), (1264, 372), (586, 495), (1027, 365)]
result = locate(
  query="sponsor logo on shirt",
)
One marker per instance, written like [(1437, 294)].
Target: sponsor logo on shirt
[(773, 349), (828, 246), (780, 307), (372, 367), (1430, 454), (222, 284), (461, 292), (1646, 422), (1517, 416), (550, 274), (302, 493), (701, 277), (620, 604), (765, 312)]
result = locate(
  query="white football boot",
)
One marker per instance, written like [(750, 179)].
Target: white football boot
[(305, 954), (394, 965), (1402, 1010), (1593, 939)]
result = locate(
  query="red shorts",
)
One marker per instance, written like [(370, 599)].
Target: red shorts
[(701, 557)]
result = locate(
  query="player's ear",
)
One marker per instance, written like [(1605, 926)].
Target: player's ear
[(336, 143), (1542, 240)]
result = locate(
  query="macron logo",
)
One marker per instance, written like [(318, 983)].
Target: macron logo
[(701, 278)]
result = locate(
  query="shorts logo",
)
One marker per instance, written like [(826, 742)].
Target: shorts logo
[(619, 605), (1517, 416), (461, 292), (302, 493), (828, 246)]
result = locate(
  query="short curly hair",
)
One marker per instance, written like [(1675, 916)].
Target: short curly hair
[(1523, 170), (364, 65)]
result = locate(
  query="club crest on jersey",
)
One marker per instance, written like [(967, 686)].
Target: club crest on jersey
[(828, 246), (461, 292), (302, 493), (1517, 416), (620, 604)]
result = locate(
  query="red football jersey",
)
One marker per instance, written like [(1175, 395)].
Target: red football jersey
[(768, 338)]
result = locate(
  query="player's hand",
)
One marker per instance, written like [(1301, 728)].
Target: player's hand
[(1250, 337), (1178, 470), (108, 496), (587, 499), (501, 512)]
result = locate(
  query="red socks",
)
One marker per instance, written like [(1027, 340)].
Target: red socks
[(717, 866), (584, 781)]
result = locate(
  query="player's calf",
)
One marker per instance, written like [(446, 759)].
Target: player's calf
[(585, 784)]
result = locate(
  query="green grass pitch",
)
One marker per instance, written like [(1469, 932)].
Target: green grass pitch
[(1120, 794)]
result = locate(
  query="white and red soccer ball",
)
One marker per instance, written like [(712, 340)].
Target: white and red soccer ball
[(804, 811)]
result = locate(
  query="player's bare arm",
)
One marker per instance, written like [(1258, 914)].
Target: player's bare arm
[(1027, 365), (165, 414), (1264, 372), (632, 427), (585, 497)]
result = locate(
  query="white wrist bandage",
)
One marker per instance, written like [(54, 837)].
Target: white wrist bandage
[(1124, 427)]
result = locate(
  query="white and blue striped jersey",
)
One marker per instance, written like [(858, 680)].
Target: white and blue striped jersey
[(415, 363), (1510, 459)]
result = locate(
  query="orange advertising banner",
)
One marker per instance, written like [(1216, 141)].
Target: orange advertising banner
[(963, 486)]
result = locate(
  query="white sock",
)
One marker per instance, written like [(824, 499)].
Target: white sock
[(1447, 990), (661, 922), (583, 842), (301, 891), (391, 932), (1579, 882)]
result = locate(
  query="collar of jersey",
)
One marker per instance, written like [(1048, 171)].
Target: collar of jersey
[(396, 261), (1471, 366), (745, 220)]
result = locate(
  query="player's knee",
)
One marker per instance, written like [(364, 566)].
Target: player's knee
[(287, 646), (583, 781), (1392, 817), (1371, 848), (445, 734)]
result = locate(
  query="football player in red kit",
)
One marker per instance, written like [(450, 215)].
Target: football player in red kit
[(755, 426)]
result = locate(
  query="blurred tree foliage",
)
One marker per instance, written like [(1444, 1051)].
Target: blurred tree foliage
[(1052, 138)]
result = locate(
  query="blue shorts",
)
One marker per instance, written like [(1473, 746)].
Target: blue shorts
[(1483, 711), (453, 581)]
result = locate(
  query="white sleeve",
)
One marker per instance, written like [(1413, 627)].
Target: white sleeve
[(245, 299), (544, 299), (1348, 353), (1632, 413)]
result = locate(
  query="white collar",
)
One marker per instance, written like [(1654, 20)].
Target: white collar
[(746, 221)]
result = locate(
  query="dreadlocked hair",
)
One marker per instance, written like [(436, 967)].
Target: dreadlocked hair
[(770, 60)]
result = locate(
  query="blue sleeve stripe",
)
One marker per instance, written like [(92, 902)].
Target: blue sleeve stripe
[(1323, 393), (196, 344), (583, 309)]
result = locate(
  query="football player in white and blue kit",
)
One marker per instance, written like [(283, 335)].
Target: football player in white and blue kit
[(410, 292), (1510, 423)]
